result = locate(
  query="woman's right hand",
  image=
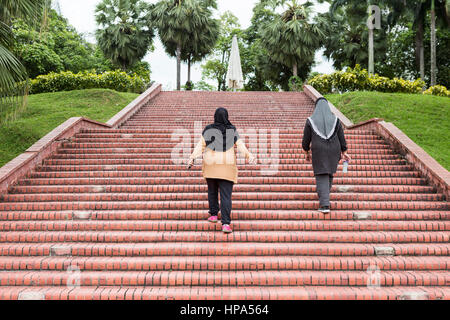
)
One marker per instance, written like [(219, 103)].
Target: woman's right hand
[(308, 156), (190, 163)]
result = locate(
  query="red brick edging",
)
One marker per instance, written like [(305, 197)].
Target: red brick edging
[(45, 147), (437, 175)]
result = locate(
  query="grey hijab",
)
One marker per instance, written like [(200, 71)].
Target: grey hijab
[(323, 121)]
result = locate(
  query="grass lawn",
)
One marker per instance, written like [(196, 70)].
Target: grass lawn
[(425, 119), (48, 110)]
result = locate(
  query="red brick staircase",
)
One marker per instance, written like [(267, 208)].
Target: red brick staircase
[(111, 216)]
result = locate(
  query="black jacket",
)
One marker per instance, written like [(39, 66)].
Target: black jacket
[(326, 154)]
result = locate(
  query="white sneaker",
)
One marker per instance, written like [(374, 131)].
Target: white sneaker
[(325, 209)]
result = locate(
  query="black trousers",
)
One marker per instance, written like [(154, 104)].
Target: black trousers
[(226, 188), (324, 182)]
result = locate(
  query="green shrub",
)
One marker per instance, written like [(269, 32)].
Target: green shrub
[(438, 91), (358, 79), (323, 83), (295, 83), (67, 81)]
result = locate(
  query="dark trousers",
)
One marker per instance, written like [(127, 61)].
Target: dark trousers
[(226, 189), (324, 182)]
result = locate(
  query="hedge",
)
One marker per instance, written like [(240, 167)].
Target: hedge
[(67, 81), (358, 79), (438, 91)]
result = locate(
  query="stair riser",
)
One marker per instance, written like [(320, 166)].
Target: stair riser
[(164, 147), (237, 196), (166, 162), (201, 181), (225, 263), (237, 215), (297, 158), (203, 188), (380, 237), (244, 174), (237, 226), (226, 279), (272, 205), (203, 249)]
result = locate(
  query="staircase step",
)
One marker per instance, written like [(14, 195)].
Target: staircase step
[(224, 279), (238, 204), (227, 293), (87, 249), (237, 196), (225, 263), (198, 180), (188, 215), (255, 225), (133, 189), (237, 236)]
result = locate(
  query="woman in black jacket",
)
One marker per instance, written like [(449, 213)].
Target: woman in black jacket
[(324, 136)]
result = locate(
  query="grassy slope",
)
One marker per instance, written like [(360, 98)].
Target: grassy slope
[(425, 119), (48, 110)]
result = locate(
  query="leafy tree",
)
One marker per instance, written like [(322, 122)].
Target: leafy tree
[(216, 70), (415, 11), (401, 53), (292, 38), (217, 65), (125, 34), (180, 26), (347, 42), (56, 47), (40, 59), (203, 86), (12, 72)]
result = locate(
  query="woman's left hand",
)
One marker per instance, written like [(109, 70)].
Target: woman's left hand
[(252, 159), (346, 156)]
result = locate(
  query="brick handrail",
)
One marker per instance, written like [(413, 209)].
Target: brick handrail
[(437, 175), (46, 146)]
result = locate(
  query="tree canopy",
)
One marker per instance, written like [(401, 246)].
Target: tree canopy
[(125, 32)]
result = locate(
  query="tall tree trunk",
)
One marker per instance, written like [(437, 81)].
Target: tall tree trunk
[(420, 52), (178, 67), (433, 44), (295, 69), (371, 53), (189, 69)]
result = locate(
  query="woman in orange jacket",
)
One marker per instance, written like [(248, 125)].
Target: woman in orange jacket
[(219, 164)]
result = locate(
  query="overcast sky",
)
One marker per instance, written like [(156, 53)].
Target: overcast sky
[(81, 14)]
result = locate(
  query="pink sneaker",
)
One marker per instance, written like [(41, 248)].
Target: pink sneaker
[(213, 219), (226, 228)]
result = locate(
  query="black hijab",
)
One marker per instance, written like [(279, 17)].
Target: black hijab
[(220, 135)]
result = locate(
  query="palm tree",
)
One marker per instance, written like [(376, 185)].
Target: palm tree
[(12, 72), (180, 26), (291, 37), (125, 34), (201, 41)]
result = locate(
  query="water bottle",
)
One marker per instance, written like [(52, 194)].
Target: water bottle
[(345, 170)]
